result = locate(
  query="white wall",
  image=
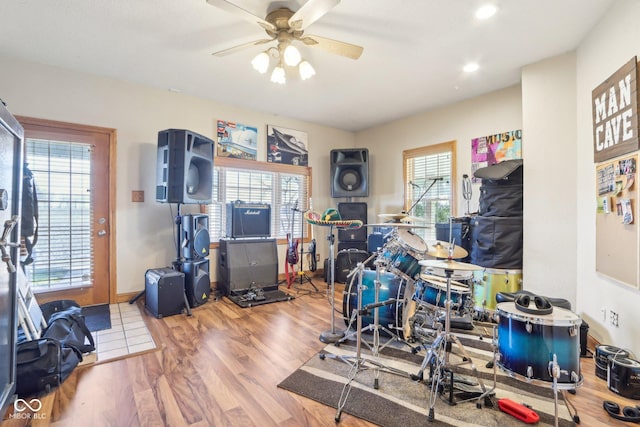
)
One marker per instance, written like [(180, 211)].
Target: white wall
[(496, 112), (549, 147), (144, 230), (613, 42)]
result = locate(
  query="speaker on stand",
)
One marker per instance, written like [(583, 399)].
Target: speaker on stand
[(350, 172)]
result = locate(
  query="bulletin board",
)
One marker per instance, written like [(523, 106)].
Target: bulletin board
[(617, 219)]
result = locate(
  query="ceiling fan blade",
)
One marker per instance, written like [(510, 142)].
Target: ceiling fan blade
[(242, 13), (310, 12), (235, 49), (334, 46)]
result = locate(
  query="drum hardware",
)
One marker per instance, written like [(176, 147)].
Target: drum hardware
[(359, 363), (437, 357), (555, 372), (466, 192)]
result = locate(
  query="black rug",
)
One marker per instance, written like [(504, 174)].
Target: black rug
[(400, 400), (97, 317)]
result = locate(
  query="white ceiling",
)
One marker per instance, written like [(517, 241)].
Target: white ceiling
[(414, 50)]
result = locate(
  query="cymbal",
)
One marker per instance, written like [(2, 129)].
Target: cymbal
[(441, 250), (394, 216), (397, 225), (449, 264)]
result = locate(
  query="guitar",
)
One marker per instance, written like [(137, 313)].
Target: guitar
[(292, 250)]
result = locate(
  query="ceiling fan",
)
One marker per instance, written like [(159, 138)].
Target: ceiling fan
[(286, 26)]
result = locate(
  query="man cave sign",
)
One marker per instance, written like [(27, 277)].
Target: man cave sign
[(615, 114)]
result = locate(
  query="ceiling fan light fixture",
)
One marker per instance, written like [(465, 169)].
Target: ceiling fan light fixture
[(306, 70), (292, 56), (278, 75), (486, 11), (261, 62)]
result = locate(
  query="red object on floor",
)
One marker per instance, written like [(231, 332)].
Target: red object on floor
[(519, 411), (291, 275)]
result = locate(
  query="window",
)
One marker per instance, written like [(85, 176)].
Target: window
[(62, 173), (427, 198), (283, 187)]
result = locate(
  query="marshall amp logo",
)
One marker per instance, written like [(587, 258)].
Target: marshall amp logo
[(248, 220)]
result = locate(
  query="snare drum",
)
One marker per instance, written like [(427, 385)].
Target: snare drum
[(433, 290), (527, 344), (391, 286), (488, 282), (403, 252)]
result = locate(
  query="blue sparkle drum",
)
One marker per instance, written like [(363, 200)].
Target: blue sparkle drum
[(391, 286), (527, 344), (402, 253), (433, 290)]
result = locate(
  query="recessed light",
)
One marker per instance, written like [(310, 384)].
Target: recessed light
[(175, 90), (486, 11), (471, 67)]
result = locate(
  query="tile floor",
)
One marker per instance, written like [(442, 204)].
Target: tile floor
[(128, 333)]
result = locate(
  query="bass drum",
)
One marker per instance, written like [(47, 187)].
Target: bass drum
[(527, 343), (488, 282), (391, 286)]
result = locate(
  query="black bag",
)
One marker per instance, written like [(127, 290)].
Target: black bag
[(68, 327), (500, 199), (42, 365), (496, 242)]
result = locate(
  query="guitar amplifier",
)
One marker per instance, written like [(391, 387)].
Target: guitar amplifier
[(164, 292), (248, 220)]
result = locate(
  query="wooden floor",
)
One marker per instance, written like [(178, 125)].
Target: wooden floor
[(221, 367)]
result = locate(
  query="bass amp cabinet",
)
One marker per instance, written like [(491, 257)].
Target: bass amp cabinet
[(164, 292), (248, 220), (247, 263)]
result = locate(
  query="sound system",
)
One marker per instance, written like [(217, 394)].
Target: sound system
[(247, 263), (356, 210), (195, 230), (184, 169), (248, 219), (350, 172), (197, 282), (164, 292)]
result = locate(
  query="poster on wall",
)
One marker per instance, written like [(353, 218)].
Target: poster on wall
[(614, 105), (237, 140), (492, 149), (287, 146)]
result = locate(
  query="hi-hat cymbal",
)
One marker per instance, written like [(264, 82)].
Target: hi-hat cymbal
[(394, 216), (397, 225), (441, 250), (449, 264)]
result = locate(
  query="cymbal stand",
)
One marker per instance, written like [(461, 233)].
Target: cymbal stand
[(331, 336)]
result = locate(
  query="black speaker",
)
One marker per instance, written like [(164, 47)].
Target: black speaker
[(185, 167), (353, 211), (361, 246), (195, 236), (350, 172), (197, 283), (248, 220), (247, 263), (346, 261), (164, 291)]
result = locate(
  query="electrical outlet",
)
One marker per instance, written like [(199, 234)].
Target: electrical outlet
[(603, 310), (317, 257), (137, 196), (613, 318)]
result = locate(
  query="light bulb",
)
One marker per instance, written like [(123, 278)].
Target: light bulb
[(486, 11), (292, 56), (471, 67), (277, 76), (261, 62), (306, 70)]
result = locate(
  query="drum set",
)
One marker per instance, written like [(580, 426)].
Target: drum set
[(418, 292)]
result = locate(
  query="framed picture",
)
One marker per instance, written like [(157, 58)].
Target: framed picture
[(237, 140), (287, 146)]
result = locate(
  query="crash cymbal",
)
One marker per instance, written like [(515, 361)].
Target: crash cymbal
[(441, 250), (449, 264), (397, 225), (394, 216)]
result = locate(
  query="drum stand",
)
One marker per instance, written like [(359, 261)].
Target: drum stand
[(440, 363), (554, 370)]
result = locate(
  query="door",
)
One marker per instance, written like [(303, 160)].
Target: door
[(71, 169)]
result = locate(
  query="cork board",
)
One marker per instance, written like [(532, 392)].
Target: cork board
[(617, 219)]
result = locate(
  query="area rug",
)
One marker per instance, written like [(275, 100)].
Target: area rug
[(97, 317), (402, 400)]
